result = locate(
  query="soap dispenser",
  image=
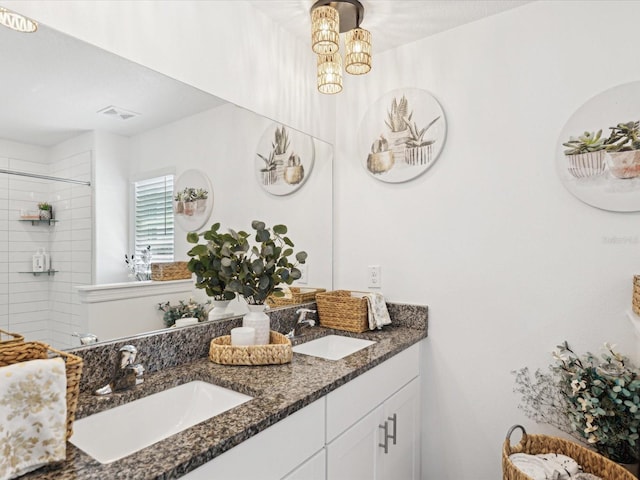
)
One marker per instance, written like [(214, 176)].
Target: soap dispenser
[(46, 260), (38, 261)]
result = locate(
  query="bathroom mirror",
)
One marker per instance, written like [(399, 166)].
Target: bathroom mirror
[(75, 112)]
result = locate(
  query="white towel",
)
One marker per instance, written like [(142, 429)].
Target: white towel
[(566, 466), (378, 314), (33, 409), (535, 467)]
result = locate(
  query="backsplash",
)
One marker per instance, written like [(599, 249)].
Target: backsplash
[(175, 346)]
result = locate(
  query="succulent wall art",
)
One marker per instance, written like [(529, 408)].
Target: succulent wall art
[(192, 200), (401, 135), (598, 150), (284, 159)]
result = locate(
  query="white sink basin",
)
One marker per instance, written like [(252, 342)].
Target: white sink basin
[(332, 347), (113, 434)]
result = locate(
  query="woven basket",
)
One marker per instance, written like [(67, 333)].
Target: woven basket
[(15, 352), (635, 301), (8, 337), (343, 310), (170, 271), (298, 295), (277, 352), (590, 461)]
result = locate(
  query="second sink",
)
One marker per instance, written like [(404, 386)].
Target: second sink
[(113, 434), (332, 347)]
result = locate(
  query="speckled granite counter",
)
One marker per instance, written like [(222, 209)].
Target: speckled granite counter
[(278, 391)]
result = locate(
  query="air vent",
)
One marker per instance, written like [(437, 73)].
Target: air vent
[(117, 112)]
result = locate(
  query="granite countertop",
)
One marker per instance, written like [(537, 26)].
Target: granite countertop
[(278, 391)]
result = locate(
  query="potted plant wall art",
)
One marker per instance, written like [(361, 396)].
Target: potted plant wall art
[(598, 150), (284, 159), (192, 200), (401, 135)]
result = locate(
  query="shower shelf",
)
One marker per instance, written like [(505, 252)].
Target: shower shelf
[(46, 272), (36, 221)]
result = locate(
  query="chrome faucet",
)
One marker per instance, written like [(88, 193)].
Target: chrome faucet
[(127, 373), (301, 321), (86, 338)]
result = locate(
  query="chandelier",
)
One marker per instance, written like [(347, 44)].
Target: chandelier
[(328, 20)]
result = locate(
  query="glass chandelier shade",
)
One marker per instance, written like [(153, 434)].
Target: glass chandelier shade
[(358, 51), (17, 22), (330, 73), (325, 35)]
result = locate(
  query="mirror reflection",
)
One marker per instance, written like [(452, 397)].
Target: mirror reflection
[(85, 131)]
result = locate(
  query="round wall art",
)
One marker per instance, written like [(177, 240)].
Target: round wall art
[(284, 159), (192, 200), (401, 135), (598, 151)]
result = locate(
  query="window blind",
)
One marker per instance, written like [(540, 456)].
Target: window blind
[(154, 217)]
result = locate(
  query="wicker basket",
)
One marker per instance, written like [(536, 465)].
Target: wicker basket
[(277, 352), (15, 352), (8, 337), (343, 310), (635, 301), (298, 295), (590, 461), (170, 271)]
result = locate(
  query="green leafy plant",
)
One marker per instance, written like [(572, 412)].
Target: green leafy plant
[(624, 137), (399, 116), (189, 194), (201, 194), (585, 143), (595, 400), (179, 197), (415, 138), (269, 163), (281, 143), (44, 206), (252, 271), (215, 263), (183, 310)]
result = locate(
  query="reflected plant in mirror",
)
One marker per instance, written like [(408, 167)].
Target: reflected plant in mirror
[(228, 264)]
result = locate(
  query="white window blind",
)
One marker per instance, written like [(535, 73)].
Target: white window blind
[(154, 217)]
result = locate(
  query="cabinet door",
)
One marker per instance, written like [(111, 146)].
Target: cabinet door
[(313, 469), (352, 456), (402, 461)]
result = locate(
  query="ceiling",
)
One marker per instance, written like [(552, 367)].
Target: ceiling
[(57, 84), (392, 23)]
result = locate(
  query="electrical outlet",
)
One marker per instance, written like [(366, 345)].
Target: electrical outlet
[(375, 276), (304, 273)]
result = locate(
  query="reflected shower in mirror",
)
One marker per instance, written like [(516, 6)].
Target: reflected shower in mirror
[(78, 112)]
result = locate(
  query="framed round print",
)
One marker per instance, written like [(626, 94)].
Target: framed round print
[(284, 159), (598, 150), (192, 200), (401, 135)]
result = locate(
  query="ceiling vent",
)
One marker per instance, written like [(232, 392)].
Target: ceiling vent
[(117, 112)]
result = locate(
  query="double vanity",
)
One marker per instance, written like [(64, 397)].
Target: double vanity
[(347, 406)]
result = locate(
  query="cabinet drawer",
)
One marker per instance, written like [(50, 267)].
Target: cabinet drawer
[(351, 402)]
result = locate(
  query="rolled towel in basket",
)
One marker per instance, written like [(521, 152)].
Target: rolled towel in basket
[(377, 312), (33, 409)]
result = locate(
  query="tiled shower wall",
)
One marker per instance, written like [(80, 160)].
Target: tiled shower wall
[(45, 307)]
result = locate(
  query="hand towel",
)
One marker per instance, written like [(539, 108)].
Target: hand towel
[(535, 467), (566, 466), (378, 314), (33, 409)]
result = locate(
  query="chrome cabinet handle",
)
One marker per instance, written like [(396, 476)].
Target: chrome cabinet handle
[(393, 419), (385, 445)]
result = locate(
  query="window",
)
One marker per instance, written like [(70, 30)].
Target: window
[(153, 217)]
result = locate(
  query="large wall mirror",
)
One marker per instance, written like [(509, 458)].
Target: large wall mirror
[(77, 127)]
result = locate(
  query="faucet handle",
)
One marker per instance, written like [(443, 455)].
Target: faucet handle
[(302, 313)]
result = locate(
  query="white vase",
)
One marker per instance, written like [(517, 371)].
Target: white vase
[(260, 321), (219, 310)]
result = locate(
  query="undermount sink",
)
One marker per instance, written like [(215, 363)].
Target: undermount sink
[(332, 347), (113, 434)]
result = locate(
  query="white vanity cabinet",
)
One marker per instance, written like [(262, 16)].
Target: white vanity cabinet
[(338, 436), (363, 447)]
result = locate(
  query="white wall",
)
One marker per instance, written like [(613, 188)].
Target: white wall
[(509, 262)]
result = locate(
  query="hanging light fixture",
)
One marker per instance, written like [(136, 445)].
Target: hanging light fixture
[(347, 15), (330, 73), (17, 22)]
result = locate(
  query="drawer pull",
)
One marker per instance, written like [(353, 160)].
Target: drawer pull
[(394, 419), (385, 445)]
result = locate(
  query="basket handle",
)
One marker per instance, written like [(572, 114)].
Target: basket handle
[(510, 432)]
